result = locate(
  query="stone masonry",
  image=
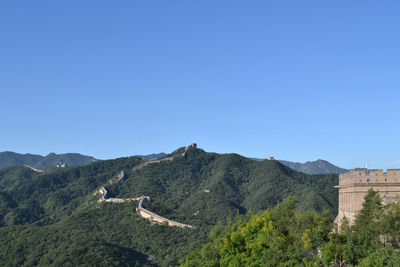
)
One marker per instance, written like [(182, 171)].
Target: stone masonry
[(354, 185), (140, 209)]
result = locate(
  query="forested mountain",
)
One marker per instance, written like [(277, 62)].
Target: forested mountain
[(54, 218), (215, 186), (314, 167), (8, 159)]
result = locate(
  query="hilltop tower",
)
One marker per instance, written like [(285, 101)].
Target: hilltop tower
[(354, 185), (191, 146)]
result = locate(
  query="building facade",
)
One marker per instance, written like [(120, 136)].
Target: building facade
[(354, 185)]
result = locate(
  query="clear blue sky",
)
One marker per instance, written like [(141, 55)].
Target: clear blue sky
[(299, 80)]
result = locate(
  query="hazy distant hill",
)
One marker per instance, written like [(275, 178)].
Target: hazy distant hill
[(8, 158), (314, 167), (153, 156)]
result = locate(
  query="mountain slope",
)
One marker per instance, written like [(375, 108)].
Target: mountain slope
[(8, 159), (44, 198), (54, 218), (215, 187), (314, 167)]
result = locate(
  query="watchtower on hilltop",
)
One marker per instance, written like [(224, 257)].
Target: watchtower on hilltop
[(354, 185), (193, 145)]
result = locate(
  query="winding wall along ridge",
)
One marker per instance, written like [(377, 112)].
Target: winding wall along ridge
[(142, 211), (157, 218), (103, 191), (34, 169)]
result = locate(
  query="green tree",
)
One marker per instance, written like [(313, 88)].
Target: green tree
[(272, 238), (390, 223), (364, 237), (387, 256)]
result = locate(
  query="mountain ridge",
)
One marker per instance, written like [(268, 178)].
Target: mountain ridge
[(9, 158), (314, 167)]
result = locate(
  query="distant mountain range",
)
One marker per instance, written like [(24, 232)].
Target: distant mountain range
[(9, 158), (153, 156), (314, 167)]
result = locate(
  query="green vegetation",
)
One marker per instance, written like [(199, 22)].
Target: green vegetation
[(106, 234), (283, 237), (43, 198), (14, 177), (53, 218), (204, 188), (276, 237)]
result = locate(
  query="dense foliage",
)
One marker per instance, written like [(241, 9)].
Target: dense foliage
[(43, 198), (204, 188), (106, 234), (275, 237), (53, 218), (282, 237)]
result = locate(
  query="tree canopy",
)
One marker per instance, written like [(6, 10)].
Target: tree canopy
[(281, 236)]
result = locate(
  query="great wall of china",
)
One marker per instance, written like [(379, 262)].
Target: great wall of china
[(139, 209), (354, 185), (154, 217), (103, 192), (34, 169)]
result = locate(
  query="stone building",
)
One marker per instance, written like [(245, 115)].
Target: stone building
[(61, 165), (193, 145), (354, 185)]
